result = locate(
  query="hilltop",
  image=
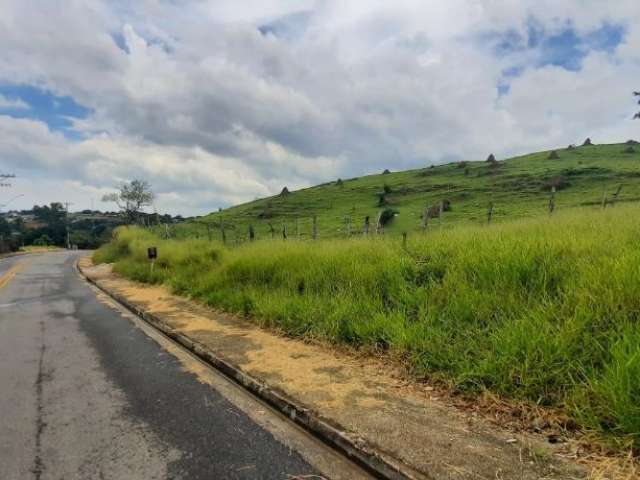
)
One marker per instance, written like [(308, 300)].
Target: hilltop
[(518, 187)]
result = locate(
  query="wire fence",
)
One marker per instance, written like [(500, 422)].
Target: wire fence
[(351, 225)]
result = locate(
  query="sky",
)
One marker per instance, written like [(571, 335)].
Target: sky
[(220, 102)]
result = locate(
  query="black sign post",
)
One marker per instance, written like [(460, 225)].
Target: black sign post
[(152, 254)]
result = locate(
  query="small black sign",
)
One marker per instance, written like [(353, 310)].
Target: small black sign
[(152, 253)]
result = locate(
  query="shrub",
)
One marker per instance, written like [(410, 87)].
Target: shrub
[(387, 216)]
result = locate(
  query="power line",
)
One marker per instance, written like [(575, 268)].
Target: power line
[(4, 177)]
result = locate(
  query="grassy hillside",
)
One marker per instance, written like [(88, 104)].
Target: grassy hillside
[(518, 187), (544, 310)]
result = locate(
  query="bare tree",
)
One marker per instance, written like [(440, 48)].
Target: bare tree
[(637, 115), (131, 199)]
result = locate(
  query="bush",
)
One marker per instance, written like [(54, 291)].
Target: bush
[(43, 241), (387, 216)]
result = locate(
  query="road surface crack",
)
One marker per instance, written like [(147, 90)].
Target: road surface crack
[(38, 467)]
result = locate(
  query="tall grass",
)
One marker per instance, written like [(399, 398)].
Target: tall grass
[(543, 310)]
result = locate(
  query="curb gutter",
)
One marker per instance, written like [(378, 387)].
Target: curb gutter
[(381, 466)]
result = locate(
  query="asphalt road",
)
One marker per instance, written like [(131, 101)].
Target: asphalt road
[(88, 391)]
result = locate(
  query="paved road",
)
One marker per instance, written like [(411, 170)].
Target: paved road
[(88, 391)]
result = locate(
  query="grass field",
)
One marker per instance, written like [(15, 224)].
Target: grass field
[(540, 309), (518, 187)]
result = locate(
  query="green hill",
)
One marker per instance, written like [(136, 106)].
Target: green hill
[(517, 187)]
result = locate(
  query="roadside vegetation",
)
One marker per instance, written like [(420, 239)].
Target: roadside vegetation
[(542, 309)]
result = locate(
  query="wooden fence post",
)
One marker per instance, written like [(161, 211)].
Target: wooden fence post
[(366, 225), (347, 222), (284, 231), (425, 219), (314, 228), (552, 200), (604, 197), (404, 240), (224, 235), (615, 195), (490, 213), (252, 233), (378, 225)]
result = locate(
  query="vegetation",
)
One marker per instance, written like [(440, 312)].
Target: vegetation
[(518, 188), (131, 198), (543, 310)]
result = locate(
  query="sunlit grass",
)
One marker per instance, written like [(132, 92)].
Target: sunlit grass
[(544, 310)]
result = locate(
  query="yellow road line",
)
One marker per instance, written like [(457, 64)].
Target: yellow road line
[(9, 274)]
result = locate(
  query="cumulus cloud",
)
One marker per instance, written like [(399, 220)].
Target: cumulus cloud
[(217, 103)]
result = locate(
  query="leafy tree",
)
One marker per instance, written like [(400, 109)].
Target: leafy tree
[(53, 218), (5, 228), (131, 199), (55, 213)]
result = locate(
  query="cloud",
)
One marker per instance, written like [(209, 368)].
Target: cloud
[(218, 102), (12, 103)]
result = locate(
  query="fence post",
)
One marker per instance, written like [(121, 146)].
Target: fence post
[(314, 228), (284, 231), (378, 226), (615, 195), (404, 240), (208, 231), (490, 213), (347, 221), (604, 197), (552, 200), (224, 235), (366, 225), (252, 233), (441, 212)]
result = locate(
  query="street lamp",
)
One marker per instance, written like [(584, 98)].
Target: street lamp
[(5, 204)]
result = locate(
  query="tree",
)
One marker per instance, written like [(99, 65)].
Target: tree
[(53, 214), (131, 199), (637, 115), (52, 222)]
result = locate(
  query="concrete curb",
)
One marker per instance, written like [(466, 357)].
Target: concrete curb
[(13, 254), (379, 465)]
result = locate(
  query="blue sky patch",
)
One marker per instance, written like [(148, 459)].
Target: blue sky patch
[(121, 43), (288, 27), (56, 111), (565, 48)]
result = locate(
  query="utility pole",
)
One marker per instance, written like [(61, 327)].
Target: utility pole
[(66, 210), (4, 182)]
